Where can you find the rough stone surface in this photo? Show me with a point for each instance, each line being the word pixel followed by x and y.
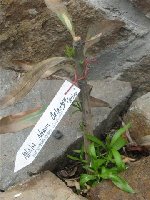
pixel 114 92
pixel 124 10
pixel 137 175
pixel 144 6
pixel 126 53
pixel 139 116
pixel 29 31
pixel 139 77
pixel 43 187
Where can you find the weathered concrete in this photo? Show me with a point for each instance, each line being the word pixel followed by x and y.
pixel 139 116
pixel 43 187
pixel 112 91
pixel 137 175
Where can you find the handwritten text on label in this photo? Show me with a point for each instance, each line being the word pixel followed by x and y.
pixel 46 125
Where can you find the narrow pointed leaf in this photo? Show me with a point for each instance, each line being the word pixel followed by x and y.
pixel 95 140
pixel 119 143
pixel 73 158
pixel 22 66
pixel 28 81
pixel 97 163
pixel 118 134
pixel 91 151
pixel 20 121
pixel 118 160
pixel 93 40
pixel 60 10
pixel 94 102
pixel 105 27
pixel 121 183
pixel 84 178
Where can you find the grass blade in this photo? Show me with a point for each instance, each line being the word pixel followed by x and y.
pixel 95 140
pixel 91 151
pixel 118 134
pixel 121 183
pixel 119 162
pixel 73 158
pixel 119 144
pixel 84 178
pixel 29 80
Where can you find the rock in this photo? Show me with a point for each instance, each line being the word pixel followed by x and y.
pixel 137 175
pixel 42 187
pixel 114 92
pixel 144 6
pixel 139 77
pixel 139 116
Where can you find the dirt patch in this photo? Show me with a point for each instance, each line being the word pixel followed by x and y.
pixel 29 31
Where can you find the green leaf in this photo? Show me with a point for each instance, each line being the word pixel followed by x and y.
pixel 118 134
pixel 95 140
pixel 109 157
pixel 97 163
pixel 73 158
pixel 105 173
pixel 69 51
pixel 120 164
pixel 84 178
pixel 119 143
pixel 77 151
pixel 108 141
pixel 91 151
pixel 121 183
pixel 87 168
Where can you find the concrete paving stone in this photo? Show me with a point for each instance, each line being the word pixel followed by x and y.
pixel 42 187
pixel 114 92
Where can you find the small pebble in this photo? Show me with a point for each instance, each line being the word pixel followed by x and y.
pixel 57 134
pixel 32 11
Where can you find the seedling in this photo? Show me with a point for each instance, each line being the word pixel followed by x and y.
pixel 97 156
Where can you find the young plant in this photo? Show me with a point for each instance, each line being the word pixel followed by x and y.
pixel 76 53
pixel 105 161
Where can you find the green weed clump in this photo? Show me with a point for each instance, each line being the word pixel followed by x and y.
pixel 105 160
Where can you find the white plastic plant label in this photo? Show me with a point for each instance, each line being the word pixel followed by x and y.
pixel 46 125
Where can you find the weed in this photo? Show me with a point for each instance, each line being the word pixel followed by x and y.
pixel 105 160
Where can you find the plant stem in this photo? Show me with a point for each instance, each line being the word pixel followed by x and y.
pixel 84 95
